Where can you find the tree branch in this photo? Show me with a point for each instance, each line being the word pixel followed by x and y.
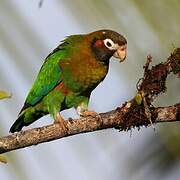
pixel 137 112
pixel 112 119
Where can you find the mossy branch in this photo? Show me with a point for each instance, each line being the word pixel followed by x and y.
pixel 137 112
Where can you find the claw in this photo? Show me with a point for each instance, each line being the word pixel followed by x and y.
pixel 92 114
pixel 84 112
pixel 88 113
pixel 59 119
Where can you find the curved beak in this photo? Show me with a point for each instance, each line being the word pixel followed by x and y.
pixel 121 52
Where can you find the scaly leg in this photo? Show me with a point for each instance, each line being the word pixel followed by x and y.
pixel 83 111
pixel 59 119
pixel 88 113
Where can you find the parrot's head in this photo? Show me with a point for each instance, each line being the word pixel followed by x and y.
pixel 108 43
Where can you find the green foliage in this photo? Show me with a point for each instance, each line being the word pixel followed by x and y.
pixel 138 98
pixel 3 159
pixel 4 94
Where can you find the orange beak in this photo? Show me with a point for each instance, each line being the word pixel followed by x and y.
pixel 121 52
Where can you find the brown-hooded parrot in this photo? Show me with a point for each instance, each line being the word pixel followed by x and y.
pixel 69 74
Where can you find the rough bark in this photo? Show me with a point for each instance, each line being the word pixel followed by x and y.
pixel 137 112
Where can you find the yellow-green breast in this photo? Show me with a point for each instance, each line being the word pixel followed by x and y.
pixel 83 71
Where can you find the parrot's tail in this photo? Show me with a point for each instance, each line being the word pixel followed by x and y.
pixel 18 125
pixel 25 118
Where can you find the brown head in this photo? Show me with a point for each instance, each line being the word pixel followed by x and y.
pixel 108 43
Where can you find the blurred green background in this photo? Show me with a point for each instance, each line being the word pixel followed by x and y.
pixel 29 33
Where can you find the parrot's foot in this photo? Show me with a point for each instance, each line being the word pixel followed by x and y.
pixel 59 119
pixel 83 111
pixel 88 113
pixel 92 114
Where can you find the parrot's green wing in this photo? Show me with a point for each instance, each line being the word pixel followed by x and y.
pixel 49 76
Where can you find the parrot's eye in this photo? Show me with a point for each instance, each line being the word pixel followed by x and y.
pixel 109 44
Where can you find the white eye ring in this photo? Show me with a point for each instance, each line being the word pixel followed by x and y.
pixel 109 44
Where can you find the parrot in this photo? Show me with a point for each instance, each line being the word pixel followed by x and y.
pixel 69 74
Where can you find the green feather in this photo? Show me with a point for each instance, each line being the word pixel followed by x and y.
pixel 50 73
pixel 71 64
pixel 42 98
pixel 48 77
